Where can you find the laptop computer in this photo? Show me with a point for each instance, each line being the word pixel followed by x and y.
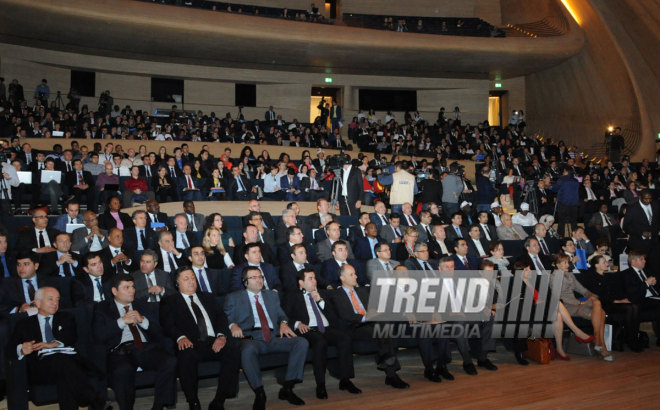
pixel 47 176
pixel 24 177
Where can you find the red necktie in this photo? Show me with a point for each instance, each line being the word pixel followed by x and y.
pixel 80 180
pixel 190 185
pixel 137 339
pixel 265 329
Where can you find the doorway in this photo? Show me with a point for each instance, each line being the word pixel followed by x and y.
pixel 329 94
pixel 495 105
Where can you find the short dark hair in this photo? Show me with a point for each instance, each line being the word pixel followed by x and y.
pixel 118 279
pixel 246 270
pixel 180 270
pixel 89 256
pixel 301 273
pixel 250 246
pixel 337 243
pixel 27 254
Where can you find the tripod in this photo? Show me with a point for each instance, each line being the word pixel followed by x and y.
pixel 58 101
pixel 334 193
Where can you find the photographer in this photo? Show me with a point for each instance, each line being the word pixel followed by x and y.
pixel 42 92
pixel 452 187
pixel 403 186
pixel 105 102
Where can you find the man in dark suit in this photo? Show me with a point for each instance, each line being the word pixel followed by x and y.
pixel 380 217
pixel 641 289
pixel 266 218
pixel 604 223
pixel 319 333
pixel 477 246
pixel 408 218
pixel 642 223
pixel 20 289
pixel 364 247
pixel 424 228
pixel 71 216
pixel 330 268
pixel 89 286
pixel 265 235
pixel 287 221
pixel 253 258
pixel 333 234
pixel 456 230
pixel 151 284
pixel 290 184
pixel 463 261
pixel 421 260
pixel 431 188
pixel 195 219
pixel 62 262
pixel 140 236
pixel 7 259
pixel 198 324
pixel 240 188
pixel 49 329
pixel 117 258
pixel 488 232
pixel 169 257
pixel 350 303
pixel 156 216
pixel 189 186
pixel 38 238
pixel 81 183
pixel 212 281
pixel 295 236
pixel 356 232
pixel 549 246
pixel 242 307
pixel 534 258
pixel 544 199
pixel 350 189
pixel 131 335
pixel 90 237
pixel 289 271
pixel 251 235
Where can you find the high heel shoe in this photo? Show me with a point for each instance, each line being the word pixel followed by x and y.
pixel 587 340
pixel 559 355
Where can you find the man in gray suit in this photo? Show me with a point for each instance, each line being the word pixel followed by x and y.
pixel 383 261
pixel 509 231
pixel 89 238
pixel 424 228
pixel 256 317
pixel 323 249
pixel 195 220
pixel 151 284
pixel 392 232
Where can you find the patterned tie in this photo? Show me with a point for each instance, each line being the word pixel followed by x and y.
pixel 546 251
pixel 137 339
pixel 465 262
pixel 171 261
pixel 356 304
pixel 265 329
pixel 31 290
pixel 152 297
pixel 100 288
pixel 458 231
pixel 427 266
pixel 48 330
pixel 118 267
pixel 317 314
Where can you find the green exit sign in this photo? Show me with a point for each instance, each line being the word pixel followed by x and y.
pixel 498 85
pixel 659 135
pixel 328 79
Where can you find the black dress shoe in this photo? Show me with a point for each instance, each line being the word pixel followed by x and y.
pixel 486 364
pixel 520 358
pixel 217 404
pixel 195 405
pixel 288 395
pixel 432 375
pixel 442 371
pixel 470 369
pixel 396 382
pixel 321 393
pixel 349 387
pixel 259 399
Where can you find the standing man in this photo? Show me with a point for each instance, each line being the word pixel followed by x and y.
pixel 306 308
pixel 130 333
pixel 568 200
pixel 642 223
pixel 350 188
pixel 199 326
pixel 335 116
pixel 452 187
pixel 258 311
pixel 403 186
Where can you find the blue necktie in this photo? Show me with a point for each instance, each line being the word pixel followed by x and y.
pixel 4 265
pixel 372 244
pixel 202 282
pixel 317 314
pixel 458 231
pixel 48 330
pixel 99 287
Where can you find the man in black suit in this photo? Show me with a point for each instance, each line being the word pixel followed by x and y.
pixel 20 289
pixel 431 188
pixel 198 324
pixel 358 231
pixel 117 258
pixel 170 257
pixel 421 260
pixel 408 218
pixel 350 189
pixel 40 237
pixel 544 198
pixel 151 284
pixel 455 228
pixel 140 236
pixel 266 218
pixel 265 235
pixel 642 290
pixel 62 262
pixel 251 235
pixel 154 215
pixel 253 258
pixel 319 333
pixel 7 259
pixel 350 303
pixel 549 246
pixel 288 220
pixel 331 268
pixel 240 188
pixel 189 186
pixel 295 236
pixel 81 183
pixel 477 246
pixel 319 219
pixel 148 170
pixel 50 329
pixel 208 280
pixel 89 286
pixel 488 232
pixel 364 247
pixel 131 335
pixel 642 223
pixel 289 271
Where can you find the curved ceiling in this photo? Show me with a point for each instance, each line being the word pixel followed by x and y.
pixel 146 31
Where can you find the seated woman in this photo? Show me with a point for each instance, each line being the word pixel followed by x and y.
pixel 496 250
pixel 164 186
pixel 563 317
pixel 217 256
pixel 217 221
pixel 588 307
pixel 217 190
pixel 611 293
pixel 112 217
pixel 406 248
pixel 602 248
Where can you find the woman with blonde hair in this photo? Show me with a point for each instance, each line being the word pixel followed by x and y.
pixel 217 256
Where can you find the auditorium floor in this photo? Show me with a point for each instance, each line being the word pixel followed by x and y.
pixel 584 382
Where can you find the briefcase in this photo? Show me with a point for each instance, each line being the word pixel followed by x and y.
pixel 539 350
